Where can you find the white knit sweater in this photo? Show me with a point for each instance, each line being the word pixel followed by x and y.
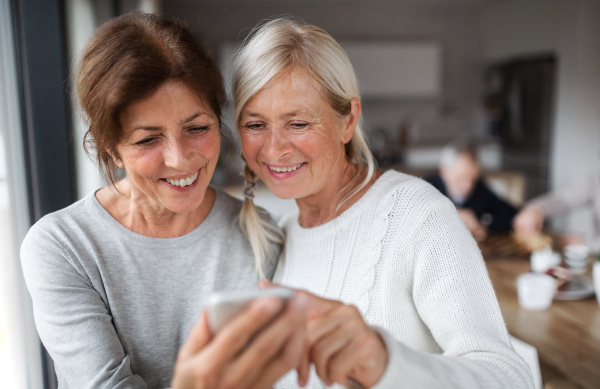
pixel 402 255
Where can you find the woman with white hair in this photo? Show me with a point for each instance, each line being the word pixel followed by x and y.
pixel 404 299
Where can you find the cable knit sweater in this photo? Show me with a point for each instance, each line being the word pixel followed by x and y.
pixel 402 255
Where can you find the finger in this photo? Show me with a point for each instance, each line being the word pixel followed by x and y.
pixel 267 344
pixel 318 306
pixel 232 338
pixel 199 336
pixel 304 365
pixel 282 363
pixel 364 360
pixel 322 326
pixel 325 349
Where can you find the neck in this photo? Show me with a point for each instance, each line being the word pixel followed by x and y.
pixel 324 206
pixel 145 217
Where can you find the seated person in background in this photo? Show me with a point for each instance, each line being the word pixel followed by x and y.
pixel 458 179
pixel 531 219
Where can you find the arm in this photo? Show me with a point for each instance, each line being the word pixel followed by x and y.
pixel 455 299
pixel 531 218
pixel 72 319
pixel 564 200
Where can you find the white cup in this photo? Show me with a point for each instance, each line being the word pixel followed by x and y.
pixel 535 291
pixel 576 252
pixel 543 260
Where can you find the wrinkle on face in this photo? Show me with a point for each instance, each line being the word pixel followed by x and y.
pixel 293 96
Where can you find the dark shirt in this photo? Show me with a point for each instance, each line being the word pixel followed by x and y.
pixel 482 201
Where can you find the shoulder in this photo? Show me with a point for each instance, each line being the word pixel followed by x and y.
pixel 406 191
pixel 75 218
pixel 231 208
pixel 406 201
pixel 227 205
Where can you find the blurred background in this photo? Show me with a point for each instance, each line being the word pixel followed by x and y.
pixel 521 78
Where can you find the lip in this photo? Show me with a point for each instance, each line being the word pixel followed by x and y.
pixel 179 188
pixel 283 175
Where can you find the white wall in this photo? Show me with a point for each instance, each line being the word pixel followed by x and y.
pixel 519 27
pixel 576 148
pixel 456 31
pixel 571 29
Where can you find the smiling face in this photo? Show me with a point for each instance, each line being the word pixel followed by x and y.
pixel 292 138
pixel 170 149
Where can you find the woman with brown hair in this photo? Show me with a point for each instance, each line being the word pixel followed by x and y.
pixel 118 278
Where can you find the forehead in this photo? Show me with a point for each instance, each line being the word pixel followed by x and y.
pixel 465 164
pixel 173 99
pixel 292 89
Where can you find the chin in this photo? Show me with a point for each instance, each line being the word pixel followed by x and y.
pixel 285 193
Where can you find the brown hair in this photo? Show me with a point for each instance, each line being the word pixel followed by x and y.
pixel 127 59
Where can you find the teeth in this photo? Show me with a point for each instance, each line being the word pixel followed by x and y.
pixel 184 181
pixel 285 168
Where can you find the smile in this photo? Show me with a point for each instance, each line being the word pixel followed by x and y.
pixel 183 182
pixel 285 168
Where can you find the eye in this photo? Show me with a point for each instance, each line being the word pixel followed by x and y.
pixel 298 125
pixel 147 141
pixel 254 126
pixel 198 129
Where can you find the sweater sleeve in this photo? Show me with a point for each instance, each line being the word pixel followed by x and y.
pixel 454 298
pixel 563 200
pixel 72 319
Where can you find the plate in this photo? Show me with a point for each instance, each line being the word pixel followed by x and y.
pixel 576 289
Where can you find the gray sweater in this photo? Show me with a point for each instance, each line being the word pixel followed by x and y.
pixel 113 307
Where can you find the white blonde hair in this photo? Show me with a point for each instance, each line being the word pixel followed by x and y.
pixel 287 43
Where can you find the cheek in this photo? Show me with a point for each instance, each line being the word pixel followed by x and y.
pixel 322 150
pixel 208 146
pixel 142 162
pixel 251 145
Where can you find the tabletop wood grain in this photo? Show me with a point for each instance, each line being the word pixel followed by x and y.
pixel 567 336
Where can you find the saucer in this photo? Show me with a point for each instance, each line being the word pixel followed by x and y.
pixel 576 289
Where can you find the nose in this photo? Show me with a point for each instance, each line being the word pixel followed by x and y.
pixel 277 144
pixel 177 153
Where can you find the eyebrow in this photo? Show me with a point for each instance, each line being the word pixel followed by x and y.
pixel 289 114
pixel 181 123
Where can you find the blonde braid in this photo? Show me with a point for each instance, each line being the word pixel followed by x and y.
pixel 263 236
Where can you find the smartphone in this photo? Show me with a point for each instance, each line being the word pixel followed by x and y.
pixel 222 306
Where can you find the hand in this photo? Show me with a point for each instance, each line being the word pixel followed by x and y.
pixel 529 221
pixel 341 344
pixel 476 229
pixel 571 239
pixel 252 351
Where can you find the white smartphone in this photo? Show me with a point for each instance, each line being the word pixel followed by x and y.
pixel 222 306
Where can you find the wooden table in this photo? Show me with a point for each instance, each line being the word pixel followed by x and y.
pixel 567 336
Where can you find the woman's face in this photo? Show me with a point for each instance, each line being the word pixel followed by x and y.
pixel 292 138
pixel 170 148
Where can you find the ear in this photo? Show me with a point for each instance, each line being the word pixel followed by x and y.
pixel 351 120
pixel 115 159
